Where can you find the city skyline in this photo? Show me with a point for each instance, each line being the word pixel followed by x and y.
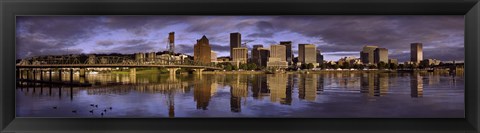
pixel 335 36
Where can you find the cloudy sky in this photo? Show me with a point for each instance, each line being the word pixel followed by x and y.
pixel 335 36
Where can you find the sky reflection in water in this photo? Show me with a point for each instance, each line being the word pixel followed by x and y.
pixel 326 95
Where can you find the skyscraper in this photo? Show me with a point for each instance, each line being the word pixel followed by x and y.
pixel 240 55
pixel 202 51
pixel 319 57
pixel 288 48
pixel 416 52
pixel 277 57
pixel 277 53
pixel 264 55
pixel 307 53
pixel 381 55
pixel 256 54
pixel 213 56
pixel 366 55
pixel 235 42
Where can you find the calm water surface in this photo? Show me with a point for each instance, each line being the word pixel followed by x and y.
pixel 325 95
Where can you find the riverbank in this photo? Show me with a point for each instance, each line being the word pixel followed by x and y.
pixel 157 71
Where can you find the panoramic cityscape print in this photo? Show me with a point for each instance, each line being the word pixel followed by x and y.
pixel 315 66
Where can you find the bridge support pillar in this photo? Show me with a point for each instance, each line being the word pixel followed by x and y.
pixel 60 75
pixel 172 74
pixel 198 71
pixel 71 75
pixel 50 75
pixel 41 75
pixel 172 71
pixel 82 72
pixel 34 75
pixel 133 71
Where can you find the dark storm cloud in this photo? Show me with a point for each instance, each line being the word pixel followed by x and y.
pixel 264 29
pixel 352 32
pixel 133 41
pixel 141 25
pixel 105 42
pixel 38 47
pixel 184 48
pixel 58 27
pixel 45 35
pixel 130 49
pixel 220 48
pixel 41 35
pixel 261 35
pixel 445 54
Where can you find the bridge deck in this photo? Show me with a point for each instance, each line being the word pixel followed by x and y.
pixel 113 65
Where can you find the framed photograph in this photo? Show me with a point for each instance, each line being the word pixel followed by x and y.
pixel 288 66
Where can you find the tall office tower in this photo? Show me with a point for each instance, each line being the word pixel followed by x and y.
pixel 213 56
pixel 319 57
pixel 289 53
pixel 307 53
pixel 202 51
pixel 235 42
pixel 264 54
pixel 256 54
pixel 416 52
pixel 240 55
pixel 277 53
pixel 367 54
pixel 381 55
pixel 277 57
pixel 171 42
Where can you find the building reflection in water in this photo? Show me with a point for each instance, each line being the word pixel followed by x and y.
pixel 416 85
pixel 277 83
pixel 238 90
pixel 320 84
pixel 381 84
pixel 202 92
pixel 374 84
pixel 260 87
pixel 307 87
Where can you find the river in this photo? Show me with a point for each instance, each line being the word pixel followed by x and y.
pixel 321 95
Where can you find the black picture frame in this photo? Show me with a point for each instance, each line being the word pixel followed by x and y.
pixel 11 8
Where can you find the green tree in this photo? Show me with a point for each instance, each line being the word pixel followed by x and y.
pixel 228 67
pixel 345 65
pixel 303 66
pixel 423 65
pixel 401 66
pixel 372 66
pixel 234 67
pixel 252 66
pixel 358 66
pixel 244 66
pixel 323 66
pixel 382 65
pixel 335 66
pixel 310 66
pixel 393 66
